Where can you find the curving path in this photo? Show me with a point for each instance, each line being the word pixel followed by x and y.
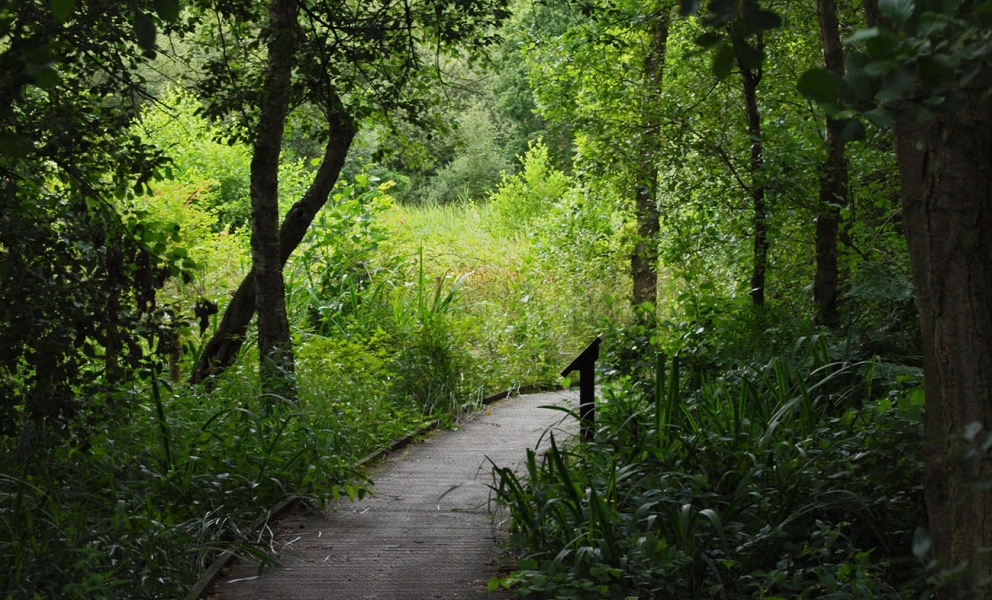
pixel 426 532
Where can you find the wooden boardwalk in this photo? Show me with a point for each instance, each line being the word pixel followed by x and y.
pixel 426 533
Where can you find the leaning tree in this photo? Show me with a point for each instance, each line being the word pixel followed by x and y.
pixel 354 62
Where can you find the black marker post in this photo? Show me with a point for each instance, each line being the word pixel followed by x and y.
pixel 585 364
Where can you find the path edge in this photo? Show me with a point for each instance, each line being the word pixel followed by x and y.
pixel 213 572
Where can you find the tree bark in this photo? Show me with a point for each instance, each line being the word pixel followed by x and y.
pixel 945 177
pixel 222 349
pixel 945 168
pixel 833 183
pixel 644 260
pixel 751 78
pixel 275 347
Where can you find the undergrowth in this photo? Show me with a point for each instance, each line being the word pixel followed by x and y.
pixel 137 504
pixel 798 477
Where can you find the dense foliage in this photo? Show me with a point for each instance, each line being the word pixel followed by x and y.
pixel 772 479
pixel 472 191
pixel 398 324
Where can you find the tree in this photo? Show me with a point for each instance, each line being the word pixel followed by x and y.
pixel 274 344
pixel 515 100
pixel 644 259
pixel 605 79
pixel 833 181
pixel 357 62
pixel 736 32
pixel 751 74
pixel 924 71
pixel 223 347
pixel 77 282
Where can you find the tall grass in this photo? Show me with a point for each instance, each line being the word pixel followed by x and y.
pixel 137 508
pixel 796 478
pixel 516 312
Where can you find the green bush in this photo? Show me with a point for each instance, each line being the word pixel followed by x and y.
pixel 524 196
pixel 219 171
pixel 478 162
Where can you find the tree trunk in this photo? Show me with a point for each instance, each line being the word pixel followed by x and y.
pixel 274 343
pixel 644 260
pixel 833 183
pixel 945 177
pixel 947 214
pixel 222 349
pixel 751 79
pixel 873 16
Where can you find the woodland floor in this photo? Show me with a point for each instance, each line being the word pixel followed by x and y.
pixel 425 532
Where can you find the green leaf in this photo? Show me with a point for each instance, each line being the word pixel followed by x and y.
pixel 848 130
pixel 750 57
pixel 862 35
pixel 818 85
pixel 881 118
pixel 880 68
pixel 969 73
pixel 861 88
pixel 943 7
pixel 898 10
pixel 722 12
pixel 62 9
pixel 931 23
pixel 168 10
pixel 762 20
pixel 708 39
pixel 919 111
pixel 723 61
pixel 935 72
pixel 144 30
pixel 897 85
pixel 43 76
pixel 846 94
pixel 883 45
pixel 15 146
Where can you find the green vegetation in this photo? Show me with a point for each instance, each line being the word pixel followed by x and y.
pixel 244 245
pixel 402 317
pixel 773 479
